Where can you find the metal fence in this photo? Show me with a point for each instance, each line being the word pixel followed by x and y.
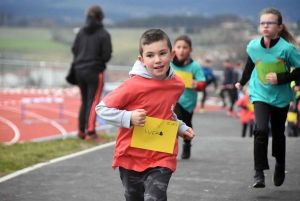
pixel 41 74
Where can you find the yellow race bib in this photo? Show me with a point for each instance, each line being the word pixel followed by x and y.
pixel 186 77
pixel 250 107
pixel 156 135
pixel 292 117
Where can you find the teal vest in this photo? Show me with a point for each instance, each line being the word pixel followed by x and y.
pixel 275 59
pixel 188 99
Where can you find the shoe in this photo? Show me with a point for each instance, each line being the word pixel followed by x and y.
pixel 231 114
pixel 279 175
pixel 224 105
pixel 81 135
pixel 95 137
pixel 202 110
pixel 259 181
pixel 186 152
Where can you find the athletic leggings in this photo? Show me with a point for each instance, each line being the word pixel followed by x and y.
pixel 91 85
pixel 184 116
pixel 277 116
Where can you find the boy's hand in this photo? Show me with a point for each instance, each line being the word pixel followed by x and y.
pixel 138 117
pixel 189 134
pixel 296 88
pixel 194 84
pixel 238 86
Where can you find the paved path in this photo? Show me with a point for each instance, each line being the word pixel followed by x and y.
pixel 221 168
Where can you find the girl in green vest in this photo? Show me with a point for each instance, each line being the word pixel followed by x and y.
pixel 268 69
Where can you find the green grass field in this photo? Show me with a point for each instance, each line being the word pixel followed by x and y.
pixel 32 44
pixel 55 44
pixel 21 155
pixel 39 44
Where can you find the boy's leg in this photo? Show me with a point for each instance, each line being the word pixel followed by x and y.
pixel 203 97
pixel 244 129
pixel 298 117
pixel 133 184
pixel 186 117
pixel 233 98
pixel 251 125
pixel 156 181
pixel 222 96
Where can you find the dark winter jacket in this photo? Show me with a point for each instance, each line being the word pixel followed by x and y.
pixel 92 48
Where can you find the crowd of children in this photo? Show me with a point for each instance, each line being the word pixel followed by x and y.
pixel 163 88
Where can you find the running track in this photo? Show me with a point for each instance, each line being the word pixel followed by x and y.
pixel 41 118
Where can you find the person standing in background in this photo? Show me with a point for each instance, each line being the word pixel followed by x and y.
pixel 92 49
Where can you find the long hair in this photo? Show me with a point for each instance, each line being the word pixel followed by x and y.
pixel 284 33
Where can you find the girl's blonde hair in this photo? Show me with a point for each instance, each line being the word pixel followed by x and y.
pixel 284 33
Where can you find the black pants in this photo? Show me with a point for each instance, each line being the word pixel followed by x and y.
pixel 184 116
pixel 149 185
pixel 212 80
pixel 277 116
pixel 244 129
pixel 91 85
pixel 233 96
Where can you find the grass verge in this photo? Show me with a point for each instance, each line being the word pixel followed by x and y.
pixel 21 155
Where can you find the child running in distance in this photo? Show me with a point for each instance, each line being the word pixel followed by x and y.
pixel 152 90
pixel 246 113
pixel 194 78
pixel 210 78
pixel 268 69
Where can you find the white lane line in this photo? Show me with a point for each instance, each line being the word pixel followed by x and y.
pixel 15 129
pixel 42 118
pixel 52 109
pixel 39 165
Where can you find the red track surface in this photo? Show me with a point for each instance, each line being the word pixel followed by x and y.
pixel 42 117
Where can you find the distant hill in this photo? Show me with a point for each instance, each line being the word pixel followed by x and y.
pixel 65 11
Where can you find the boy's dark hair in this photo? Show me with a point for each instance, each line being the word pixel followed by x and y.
pixel 239 63
pixel 153 35
pixel 95 11
pixel 207 60
pixel 184 38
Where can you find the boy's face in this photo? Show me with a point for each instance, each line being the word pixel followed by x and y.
pixel 182 50
pixel 157 57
